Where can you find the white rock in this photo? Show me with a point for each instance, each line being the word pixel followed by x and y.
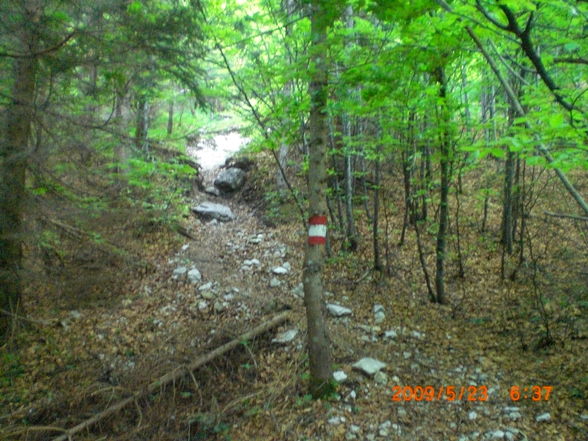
pixel 179 272
pixel 205 287
pixel 76 315
pixel 339 376
pixel 212 191
pixel 209 295
pixel 274 283
pixel 390 334
pixel 406 355
pixel 210 210
pixel 402 412
pixel 298 291
pixel 417 334
pixel 355 429
pixel 378 308
pixel 514 416
pixel 279 270
pixel 496 434
pixel 543 417
pixel 379 317
pixel 336 420
pixel 185 247
pixel 381 378
pixel 352 395
pixel 338 310
pixel 219 306
pixel 369 365
pixel 194 276
pixel 383 429
pixel 286 336
pixel 287 266
pixel 472 415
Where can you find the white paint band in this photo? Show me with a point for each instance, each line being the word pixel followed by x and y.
pixel 317 231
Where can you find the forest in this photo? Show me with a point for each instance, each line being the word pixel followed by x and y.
pixel 301 220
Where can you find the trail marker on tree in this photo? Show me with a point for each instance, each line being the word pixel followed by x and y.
pixel 317 230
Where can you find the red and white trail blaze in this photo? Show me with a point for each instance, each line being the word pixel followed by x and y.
pixel 317 230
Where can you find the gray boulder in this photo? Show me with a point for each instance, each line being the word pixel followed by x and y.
pixel 244 163
pixel 369 365
pixel 338 310
pixel 210 210
pixel 230 179
pixel 213 191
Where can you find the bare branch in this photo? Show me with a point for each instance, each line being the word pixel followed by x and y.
pixel 490 18
pixel 39 53
pixel 571 60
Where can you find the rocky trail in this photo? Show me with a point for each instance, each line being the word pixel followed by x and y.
pixel 239 271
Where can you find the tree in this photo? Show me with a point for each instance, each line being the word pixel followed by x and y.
pixel 13 158
pixel 318 343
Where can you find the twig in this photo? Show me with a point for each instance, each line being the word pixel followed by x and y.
pixel 25 319
pixel 103 245
pixel 567 216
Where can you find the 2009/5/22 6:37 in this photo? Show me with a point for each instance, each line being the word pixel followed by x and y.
pixel 447 393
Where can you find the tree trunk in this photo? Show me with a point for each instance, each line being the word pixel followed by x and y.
pixel 318 342
pixel 13 164
pixel 351 231
pixel 141 126
pixel 444 190
pixel 377 255
pixel 170 118
pixel 507 206
pixel 120 149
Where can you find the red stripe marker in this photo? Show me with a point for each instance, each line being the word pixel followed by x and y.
pixel 317 230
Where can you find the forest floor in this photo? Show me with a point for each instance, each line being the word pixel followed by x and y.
pixel 73 363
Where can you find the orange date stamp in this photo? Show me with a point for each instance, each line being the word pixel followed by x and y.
pixel 467 393
pixel 441 393
pixel 534 393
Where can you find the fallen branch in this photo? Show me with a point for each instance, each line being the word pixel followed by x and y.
pixel 24 319
pixel 567 216
pixel 175 375
pixel 103 245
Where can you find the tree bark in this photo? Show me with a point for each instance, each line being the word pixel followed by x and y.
pixel 444 190
pixel 170 118
pixel 375 220
pixel 13 164
pixel 507 204
pixel 141 123
pixel 318 342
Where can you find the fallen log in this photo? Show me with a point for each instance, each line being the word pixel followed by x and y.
pixel 567 216
pixel 104 246
pixel 175 375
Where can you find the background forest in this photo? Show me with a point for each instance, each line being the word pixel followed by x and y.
pixel 446 142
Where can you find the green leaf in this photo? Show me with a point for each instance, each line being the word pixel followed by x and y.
pixel 135 7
